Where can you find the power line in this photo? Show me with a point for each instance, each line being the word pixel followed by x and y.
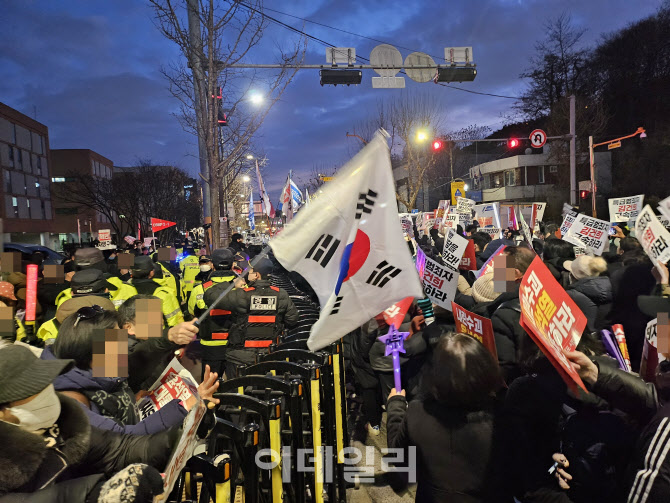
pixel 327 44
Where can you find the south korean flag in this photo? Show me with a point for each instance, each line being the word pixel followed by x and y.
pixel 349 246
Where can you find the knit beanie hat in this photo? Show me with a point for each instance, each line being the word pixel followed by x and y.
pixel 482 289
pixel 586 266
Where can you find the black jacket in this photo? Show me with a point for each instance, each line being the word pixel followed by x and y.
pixel 560 273
pixel 147 358
pixel 593 296
pixel 31 471
pixel 452 447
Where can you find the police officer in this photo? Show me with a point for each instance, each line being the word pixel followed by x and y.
pixel 142 279
pixel 215 328
pixel 189 270
pixel 206 270
pixel 259 314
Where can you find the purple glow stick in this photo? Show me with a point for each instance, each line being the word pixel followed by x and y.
pixel 394 346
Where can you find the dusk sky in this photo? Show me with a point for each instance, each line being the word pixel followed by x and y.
pixel 90 70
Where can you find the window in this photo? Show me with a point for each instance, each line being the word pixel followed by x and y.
pixel 11 157
pixel 60 179
pixel 553 169
pixel 19 157
pixel 15 204
pixel 540 174
pixel 510 178
pixel 66 211
pixel 39 166
pixel 8 182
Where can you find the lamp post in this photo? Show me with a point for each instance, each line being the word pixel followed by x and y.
pixel 640 131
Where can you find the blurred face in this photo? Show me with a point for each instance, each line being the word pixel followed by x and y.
pixel 148 319
pixel 504 274
pixel 110 353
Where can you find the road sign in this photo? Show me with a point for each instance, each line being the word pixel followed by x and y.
pixel 420 74
pixel 454 55
pixel 457 190
pixel 341 55
pixel 538 138
pixel 616 144
pixel 390 60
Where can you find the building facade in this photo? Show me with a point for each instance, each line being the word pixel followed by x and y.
pixel 73 220
pixel 26 200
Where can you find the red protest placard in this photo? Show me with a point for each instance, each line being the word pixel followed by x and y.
pixel 477 326
pixel 395 314
pixel 551 318
pixel 31 292
pixel 469 261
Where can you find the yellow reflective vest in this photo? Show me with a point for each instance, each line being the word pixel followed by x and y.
pixel 190 267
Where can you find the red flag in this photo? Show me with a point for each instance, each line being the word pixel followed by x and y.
pixel 477 326
pixel 551 318
pixel 158 225
pixel 395 314
pixel 469 261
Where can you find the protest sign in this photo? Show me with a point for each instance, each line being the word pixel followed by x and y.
pixel 653 237
pixel 129 239
pixel 395 314
pixel 581 250
pixel 551 318
pixel 664 208
pixel 568 219
pixel 650 355
pixel 464 208
pixel 494 232
pixel 451 221
pixel 174 383
pixel 525 230
pixel 184 449
pixel 407 226
pixel 665 221
pixel 439 282
pixel 588 232
pixel 487 214
pixel 511 218
pixel 625 209
pixel 469 260
pixel 158 224
pixel 537 214
pixel 454 248
pixel 488 265
pixel 428 220
pixel 477 326
pixel 442 209
pixel 104 235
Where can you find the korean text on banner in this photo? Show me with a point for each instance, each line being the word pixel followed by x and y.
pixel 537 214
pixel 589 232
pixel 469 260
pixel 551 318
pixel 568 220
pixel 476 326
pixel 650 355
pixel 174 383
pixel 439 282
pixel 494 232
pixel 625 209
pixel 442 209
pixel 454 248
pixel 395 314
pixel 104 235
pixel 464 208
pixel 451 221
pixel 407 225
pixel 485 214
pixel 527 234
pixel 184 449
pixel 653 237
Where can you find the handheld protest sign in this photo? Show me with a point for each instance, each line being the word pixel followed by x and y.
pixel 469 259
pixel 394 346
pixel 439 282
pixel 653 236
pixel 488 265
pixel 31 292
pixel 454 248
pixel 588 232
pixel 475 326
pixel 551 319
pixel 395 314
pixel 625 209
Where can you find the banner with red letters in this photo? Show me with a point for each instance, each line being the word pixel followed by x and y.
pixel 469 261
pixel 158 225
pixel 551 318
pixel 439 282
pixel 653 236
pixel 477 326
pixel 589 232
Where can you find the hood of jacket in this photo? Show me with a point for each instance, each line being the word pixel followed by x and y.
pixel 23 452
pixel 77 379
pixel 598 289
pixel 145 286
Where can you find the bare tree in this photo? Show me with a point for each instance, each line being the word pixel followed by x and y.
pixel 404 118
pixel 229 31
pixel 558 70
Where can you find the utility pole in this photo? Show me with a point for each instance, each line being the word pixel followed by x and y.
pixel 573 153
pixel 200 102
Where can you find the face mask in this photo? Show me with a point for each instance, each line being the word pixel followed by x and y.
pixel 205 268
pixel 40 413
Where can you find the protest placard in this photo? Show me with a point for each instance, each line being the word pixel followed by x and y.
pixel 525 230
pixel 439 282
pixel 568 219
pixel 511 218
pixel 494 232
pixel 653 237
pixel 428 220
pixel 477 326
pixel 469 260
pixel 664 208
pixel 184 449
pixel 129 239
pixel 625 209
pixel 174 383
pixel 442 209
pixel 581 250
pixel 450 221
pixel 487 214
pixel 464 208
pixel 650 355
pixel 407 226
pixel 454 248
pixel 588 232
pixel 551 318
pixel 537 214
pixel 104 235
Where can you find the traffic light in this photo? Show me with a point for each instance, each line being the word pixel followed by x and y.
pixel 437 145
pixel 513 143
pixel 455 74
pixel 221 116
pixel 344 77
pixel 584 194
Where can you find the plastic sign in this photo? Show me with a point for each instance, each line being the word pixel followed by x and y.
pixel 589 232
pixel 439 282
pixel 538 138
pixel 653 236
pixel 31 292
pixel 625 209
pixel 104 235
pixel 158 225
pixel 476 326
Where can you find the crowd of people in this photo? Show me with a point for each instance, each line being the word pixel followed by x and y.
pixel 484 428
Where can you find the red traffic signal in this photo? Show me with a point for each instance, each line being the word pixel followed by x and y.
pixel 437 145
pixel 583 194
pixel 513 143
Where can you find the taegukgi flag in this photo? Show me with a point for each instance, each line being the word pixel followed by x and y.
pixel 349 246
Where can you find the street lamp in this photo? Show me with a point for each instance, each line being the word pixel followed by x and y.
pixel 256 98
pixel 421 135
pixel 246 178
pixel 640 131
pixel 250 157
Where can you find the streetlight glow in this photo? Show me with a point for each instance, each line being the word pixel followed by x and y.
pixel 256 98
pixel 246 178
pixel 250 156
pixel 466 186
pixel 421 136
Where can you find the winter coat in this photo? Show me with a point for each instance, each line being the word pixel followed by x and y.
pixel 172 414
pixel 72 471
pixel 147 358
pixel 594 297
pixel 560 273
pixel 452 447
